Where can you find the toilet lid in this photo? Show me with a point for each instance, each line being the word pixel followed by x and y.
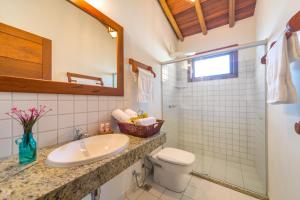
pixel 176 156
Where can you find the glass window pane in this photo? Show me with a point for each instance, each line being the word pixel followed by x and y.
pixel 212 66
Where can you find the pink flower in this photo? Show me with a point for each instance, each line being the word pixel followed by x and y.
pixel 27 120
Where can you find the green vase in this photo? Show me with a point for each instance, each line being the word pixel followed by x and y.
pixel 27 148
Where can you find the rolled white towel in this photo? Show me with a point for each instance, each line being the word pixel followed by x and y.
pixel 146 121
pixel 131 113
pixel 120 116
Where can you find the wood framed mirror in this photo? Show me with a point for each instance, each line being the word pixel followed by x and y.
pixel 26 58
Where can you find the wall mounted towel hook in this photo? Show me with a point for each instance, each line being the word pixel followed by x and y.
pixel 297 127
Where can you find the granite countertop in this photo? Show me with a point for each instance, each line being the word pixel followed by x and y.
pixel 39 181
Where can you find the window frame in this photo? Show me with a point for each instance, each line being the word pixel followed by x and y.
pixel 233 68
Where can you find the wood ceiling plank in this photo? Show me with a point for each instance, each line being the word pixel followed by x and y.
pixel 200 16
pixel 171 19
pixel 238 6
pixel 178 6
pixel 215 13
pixel 231 13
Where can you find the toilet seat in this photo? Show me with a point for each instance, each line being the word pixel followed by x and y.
pixel 176 156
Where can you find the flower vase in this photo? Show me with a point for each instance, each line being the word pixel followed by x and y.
pixel 27 148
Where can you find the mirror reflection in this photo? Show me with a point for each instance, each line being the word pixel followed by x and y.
pixel 84 50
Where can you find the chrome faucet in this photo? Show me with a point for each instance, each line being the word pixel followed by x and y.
pixel 79 134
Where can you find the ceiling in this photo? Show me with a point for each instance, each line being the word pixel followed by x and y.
pixel 189 17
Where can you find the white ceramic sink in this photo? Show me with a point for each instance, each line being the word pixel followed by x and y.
pixel 87 150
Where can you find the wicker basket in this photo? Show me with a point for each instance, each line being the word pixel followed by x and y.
pixel 140 131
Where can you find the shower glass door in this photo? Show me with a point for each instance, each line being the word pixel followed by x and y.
pixel 221 120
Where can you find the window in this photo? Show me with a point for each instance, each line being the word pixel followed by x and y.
pixel 215 67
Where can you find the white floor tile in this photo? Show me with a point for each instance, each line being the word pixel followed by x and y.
pixel 170 195
pixel 198 189
pixel 147 196
pixel 186 198
pixel 156 189
pixel 134 194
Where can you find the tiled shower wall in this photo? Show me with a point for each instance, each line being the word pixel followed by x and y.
pixel 259 125
pixel 216 117
pixel 170 107
pixel 68 112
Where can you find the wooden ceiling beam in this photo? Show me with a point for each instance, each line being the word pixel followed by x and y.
pixel 171 19
pixel 231 13
pixel 200 16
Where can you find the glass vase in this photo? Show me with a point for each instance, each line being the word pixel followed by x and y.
pixel 27 148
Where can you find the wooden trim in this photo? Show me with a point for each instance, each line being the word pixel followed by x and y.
pixel 70 80
pixel 17 84
pixel 21 44
pixel 136 65
pixel 47 59
pixel 86 7
pixel 231 13
pixel 171 19
pixel 200 16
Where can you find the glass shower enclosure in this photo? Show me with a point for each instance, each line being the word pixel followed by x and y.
pixel 221 121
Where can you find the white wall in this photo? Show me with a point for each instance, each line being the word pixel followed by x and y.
pixel 242 32
pixel 148 38
pixel 80 44
pixel 283 142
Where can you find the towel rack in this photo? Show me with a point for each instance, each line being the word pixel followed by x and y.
pixel 75 75
pixel 292 26
pixel 135 65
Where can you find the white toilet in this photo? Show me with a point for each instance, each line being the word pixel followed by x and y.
pixel 172 168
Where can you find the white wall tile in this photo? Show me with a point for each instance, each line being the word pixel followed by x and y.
pixel 50 105
pixel 65 135
pixel 6 128
pixel 80 106
pixel 5 107
pixel 24 96
pixel 65 107
pixel 80 119
pixel 25 105
pixel 47 97
pixel 103 105
pixel 80 97
pixel 93 98
pixel 47 123
pixel 65 97
pixel 47 138
pixel 57 126
pixel 5 95
pixel 65 121
pixel 6 147
pixel 93 117
pixel 93 106
pixel 93 129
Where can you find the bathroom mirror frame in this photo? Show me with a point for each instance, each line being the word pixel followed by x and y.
pixel 19 84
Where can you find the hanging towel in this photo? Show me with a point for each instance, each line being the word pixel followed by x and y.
pixel 145 86
pixel 294 47
pixel 280 87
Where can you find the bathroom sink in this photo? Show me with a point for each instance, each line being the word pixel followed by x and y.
pixel 87 150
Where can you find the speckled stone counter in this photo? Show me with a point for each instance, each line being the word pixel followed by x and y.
pixel 39 181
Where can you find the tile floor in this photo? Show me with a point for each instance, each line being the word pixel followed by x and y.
pixel 197 189
pixel 232 172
